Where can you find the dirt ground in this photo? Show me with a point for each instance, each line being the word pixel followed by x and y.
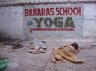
pixel 21 60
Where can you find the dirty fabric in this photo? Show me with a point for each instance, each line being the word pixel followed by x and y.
pixel 66 53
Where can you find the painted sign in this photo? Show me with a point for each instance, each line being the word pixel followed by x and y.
pixel 67 18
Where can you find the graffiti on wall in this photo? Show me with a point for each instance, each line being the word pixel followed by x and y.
pixel 54 17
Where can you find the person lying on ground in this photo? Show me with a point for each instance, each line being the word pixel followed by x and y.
pixel 67 52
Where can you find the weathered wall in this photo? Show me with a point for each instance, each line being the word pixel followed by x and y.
pixel 11 21
pixel 59 20
pixel 89 20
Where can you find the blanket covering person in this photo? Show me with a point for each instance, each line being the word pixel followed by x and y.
pixel 67 52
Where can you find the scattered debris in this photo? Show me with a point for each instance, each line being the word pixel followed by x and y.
pixel 36 49
pixel 17 46
pixel 43 42
pixel 31 42
pixel 12 41
pixel 42 49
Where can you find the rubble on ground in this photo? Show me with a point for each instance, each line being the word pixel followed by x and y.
pixel 17 46
pixel 37 50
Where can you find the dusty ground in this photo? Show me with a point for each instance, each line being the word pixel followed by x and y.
pixel 21 60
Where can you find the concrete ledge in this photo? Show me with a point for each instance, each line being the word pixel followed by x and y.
pixel 66 39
